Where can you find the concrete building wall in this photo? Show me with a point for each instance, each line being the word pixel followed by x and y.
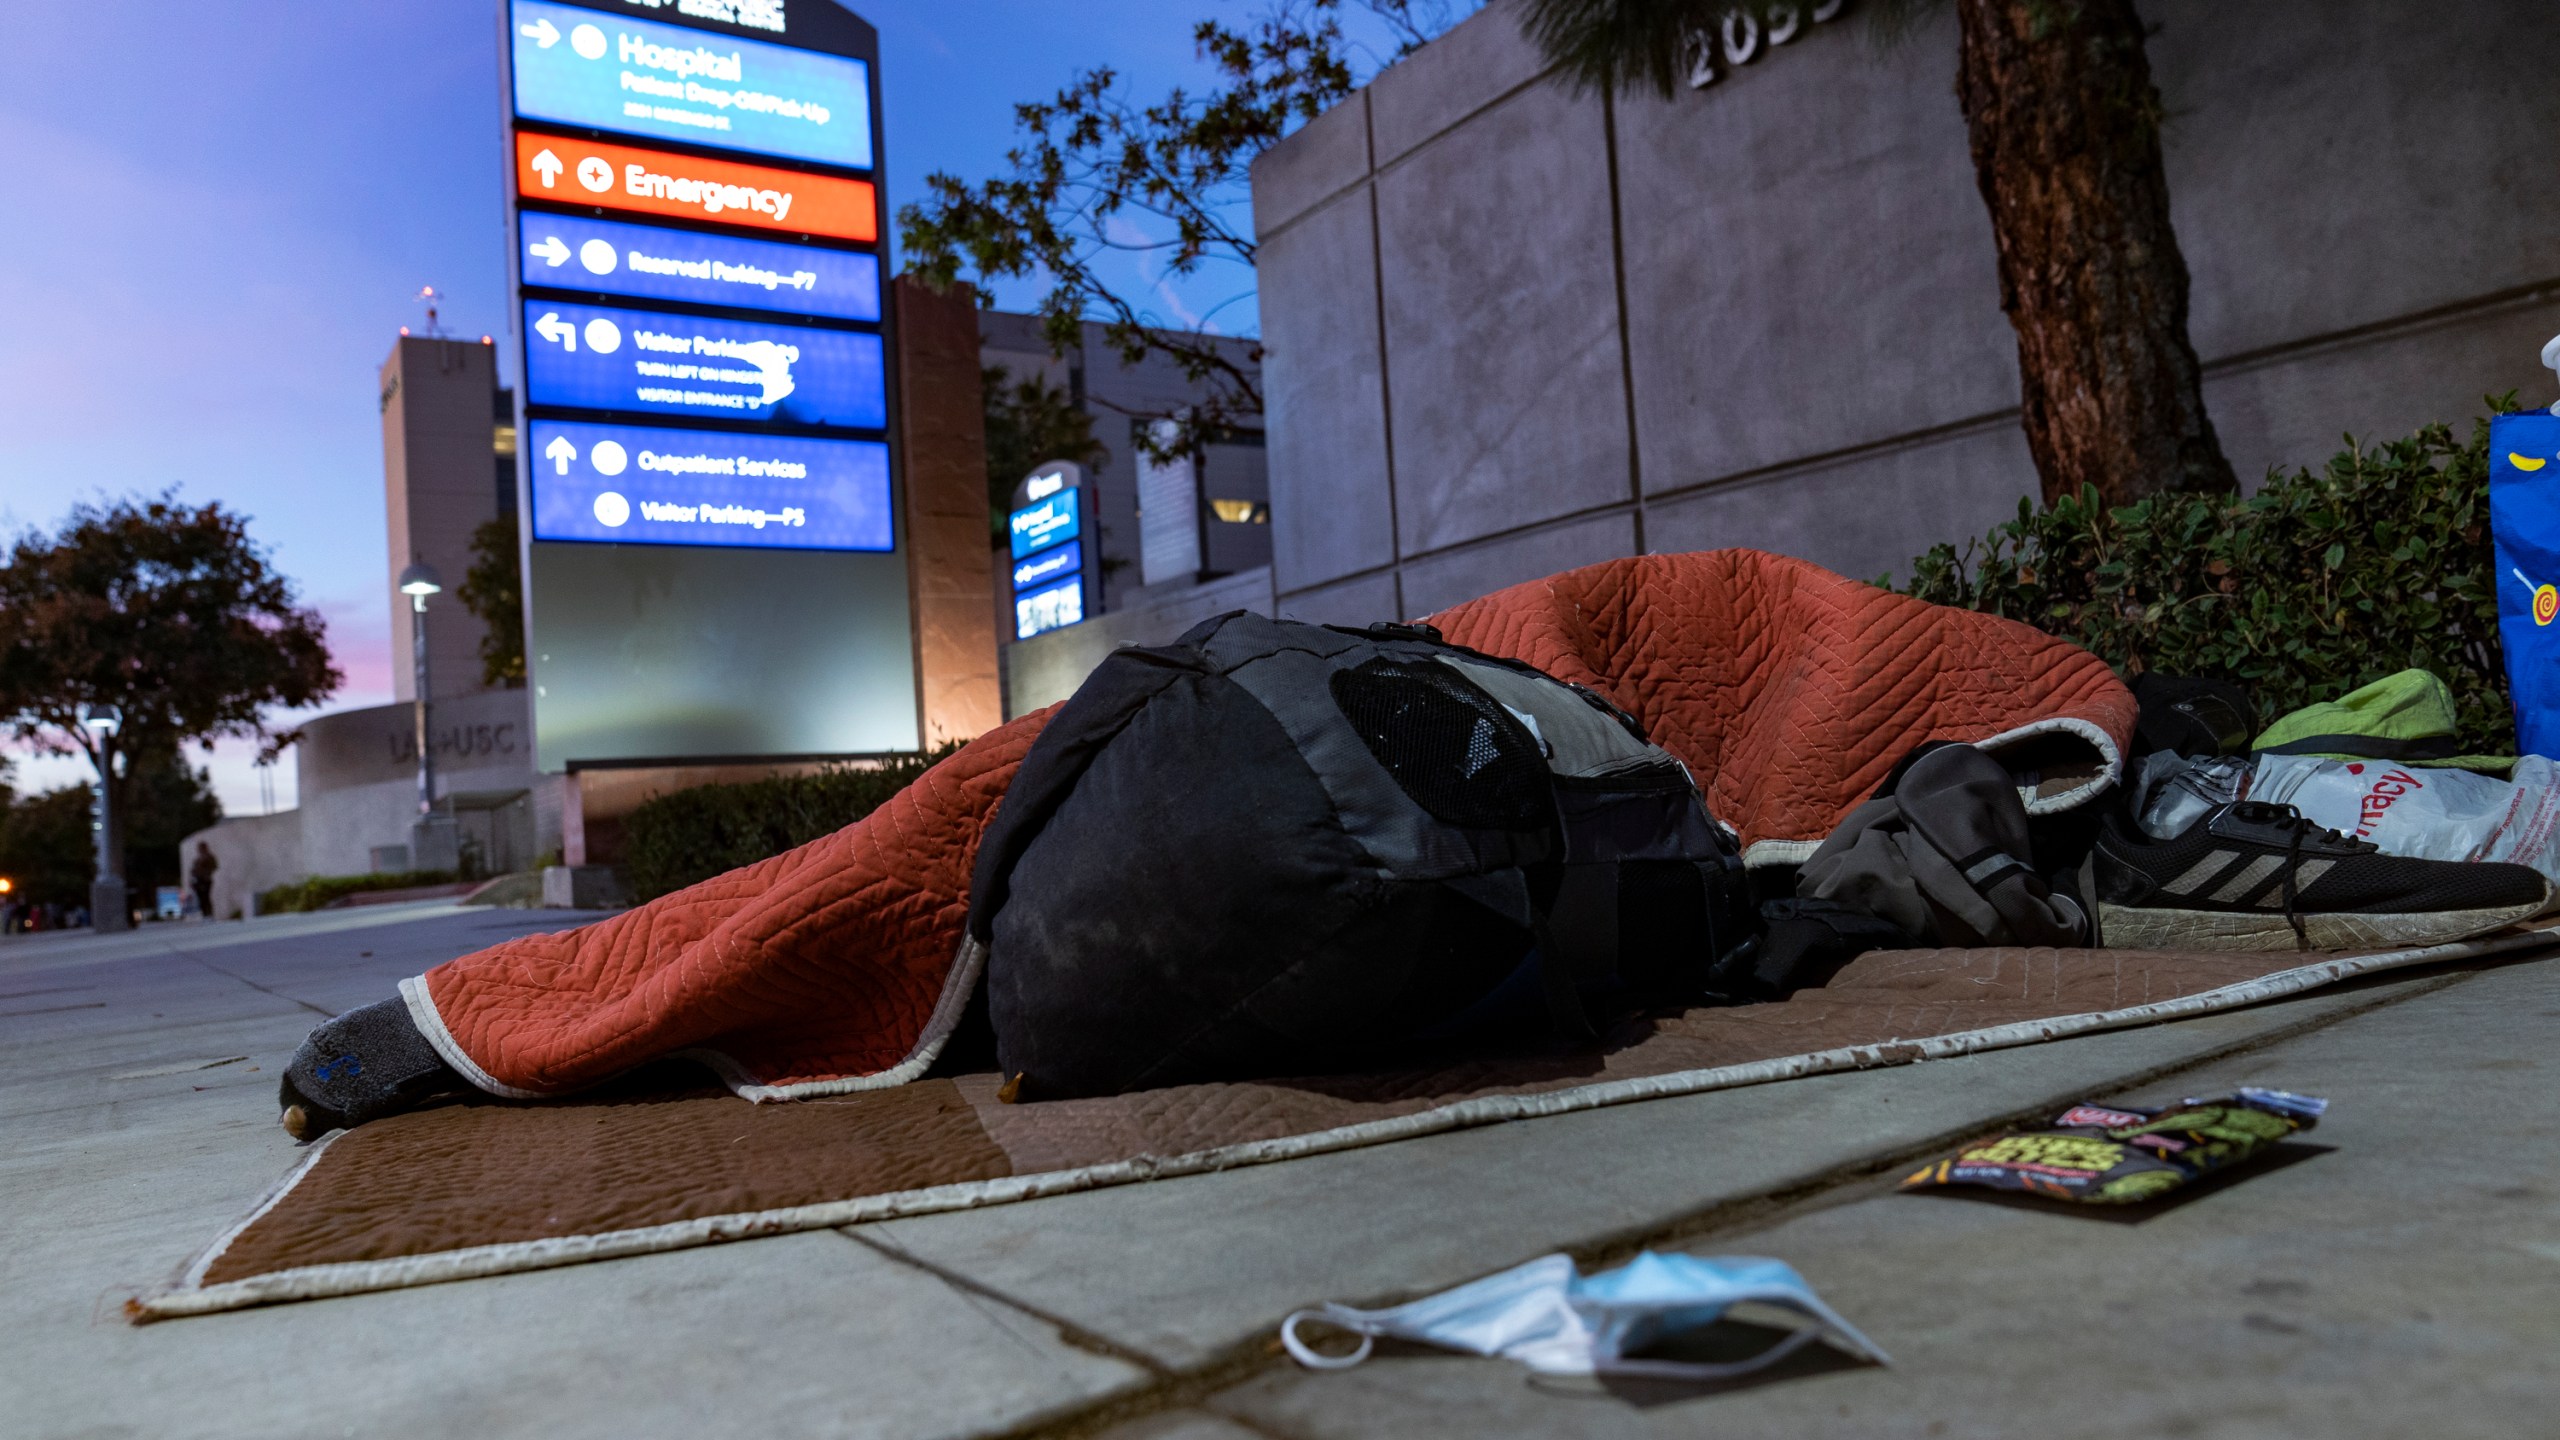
pixel 1509 329
pixel 250 853
pixel 942 434
pixel 441 438
pixel 356 772
pixel 1115 394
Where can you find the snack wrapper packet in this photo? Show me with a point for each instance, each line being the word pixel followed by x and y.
pixel 2116 1155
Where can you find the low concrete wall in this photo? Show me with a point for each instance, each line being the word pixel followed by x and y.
pixel 358 774
pixel 250 853
pixel 1046 669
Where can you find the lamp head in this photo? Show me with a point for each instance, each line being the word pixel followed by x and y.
pixel 420 579
pixel 106 720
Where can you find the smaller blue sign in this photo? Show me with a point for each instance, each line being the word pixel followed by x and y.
pixel 603 358
pixel 580 67
pixel 1037 527
pixel 640 485
pixel 1048 565
pixel 1055 608
pixel 650 262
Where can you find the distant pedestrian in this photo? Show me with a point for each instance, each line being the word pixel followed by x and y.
pixel 200 876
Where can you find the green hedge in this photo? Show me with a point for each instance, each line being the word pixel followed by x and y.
pixel 2319 583
pixel 691 835
pixel 319 890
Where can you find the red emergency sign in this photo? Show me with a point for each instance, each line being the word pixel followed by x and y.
pixel 656 182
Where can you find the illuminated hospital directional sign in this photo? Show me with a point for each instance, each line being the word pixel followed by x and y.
pixel 715 561
pixel 640 485
pixel 651 262
pixel 594 357
pixel 581 67
pixel 1045 529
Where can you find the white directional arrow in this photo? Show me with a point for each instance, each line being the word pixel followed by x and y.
pixel 552 327
pixel 560 452
pixel 548 166
pixel 551 250
pixel 541 33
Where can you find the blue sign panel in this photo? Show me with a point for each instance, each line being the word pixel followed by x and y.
pixel 612 359
pixel 1055 608
pixel 648 262
pixel 1048 566
pixel 1037 527
pixel 583 67
pixel 637 485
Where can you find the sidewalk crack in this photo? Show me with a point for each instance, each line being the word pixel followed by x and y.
pixel 1166 1388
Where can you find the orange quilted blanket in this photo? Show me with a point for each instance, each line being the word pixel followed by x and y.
pixel 1790 691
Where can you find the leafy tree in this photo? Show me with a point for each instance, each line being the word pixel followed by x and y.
pixel 1099 174
pixel 169 613
pixel 2064 126
pixel 494 592
pixel 1030 422
pixel 45 847
pixel 166 801
pixel 45 840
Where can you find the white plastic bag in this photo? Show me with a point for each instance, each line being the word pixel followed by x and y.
pixel 2172 792
pixel 2425 812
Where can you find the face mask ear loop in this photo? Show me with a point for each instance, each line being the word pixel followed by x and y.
pixel 1305 1355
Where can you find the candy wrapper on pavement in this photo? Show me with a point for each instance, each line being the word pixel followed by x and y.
pixel 2116 1155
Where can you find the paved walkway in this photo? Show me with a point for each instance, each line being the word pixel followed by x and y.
pixel 2400 1274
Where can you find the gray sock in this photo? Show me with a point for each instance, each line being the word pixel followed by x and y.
pixel 363 1065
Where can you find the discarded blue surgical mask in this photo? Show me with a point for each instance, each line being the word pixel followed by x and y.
pixel 1552 1320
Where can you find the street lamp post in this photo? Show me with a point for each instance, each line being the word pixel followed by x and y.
pixel 108 905
pixel 418 582
pixel 432 843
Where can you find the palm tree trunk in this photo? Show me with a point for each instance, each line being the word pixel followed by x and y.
pixel 2065 130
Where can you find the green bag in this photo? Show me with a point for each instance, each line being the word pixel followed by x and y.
pixel 2406 717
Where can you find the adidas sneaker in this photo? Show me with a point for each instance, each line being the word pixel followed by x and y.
pixel 2253 876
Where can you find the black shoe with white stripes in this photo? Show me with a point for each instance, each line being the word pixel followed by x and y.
pixel 2254 876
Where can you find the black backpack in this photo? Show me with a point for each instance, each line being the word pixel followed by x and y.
pixel 2191 715
pixel 1275 848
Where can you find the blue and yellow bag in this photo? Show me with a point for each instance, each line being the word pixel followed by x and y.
pixel 2524 516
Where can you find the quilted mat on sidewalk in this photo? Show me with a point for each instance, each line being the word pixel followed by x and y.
pixel 491 1187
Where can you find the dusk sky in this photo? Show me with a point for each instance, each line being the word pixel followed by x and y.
pixel 219 216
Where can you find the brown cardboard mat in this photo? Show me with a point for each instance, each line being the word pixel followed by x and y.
pixel 488 1188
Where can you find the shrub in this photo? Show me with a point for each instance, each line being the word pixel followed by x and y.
pixel 2319 583
pixel 691 835
pixel 317 891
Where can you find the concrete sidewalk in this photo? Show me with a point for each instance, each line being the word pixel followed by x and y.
pixel 2403 1276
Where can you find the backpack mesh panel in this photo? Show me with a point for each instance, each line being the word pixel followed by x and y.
pixel 1452 747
